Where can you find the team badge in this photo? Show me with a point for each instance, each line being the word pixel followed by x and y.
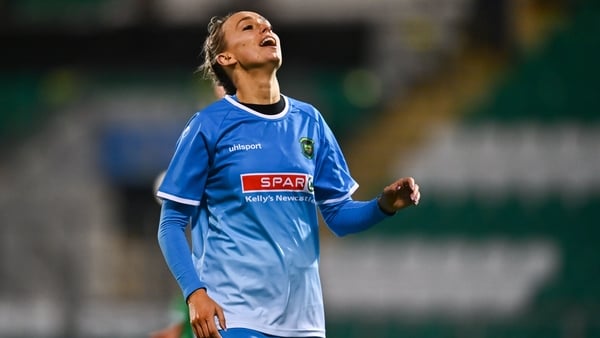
pixel 308 147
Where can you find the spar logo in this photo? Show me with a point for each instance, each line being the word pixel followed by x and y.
pixel 266 182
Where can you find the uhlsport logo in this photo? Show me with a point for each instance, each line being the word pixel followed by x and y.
pixel 308 147
pixel 267 182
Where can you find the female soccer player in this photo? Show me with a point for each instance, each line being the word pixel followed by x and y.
pixel 248 174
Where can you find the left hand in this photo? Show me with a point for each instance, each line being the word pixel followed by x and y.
pixel 400 194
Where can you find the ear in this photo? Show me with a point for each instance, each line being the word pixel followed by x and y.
pixel 226 59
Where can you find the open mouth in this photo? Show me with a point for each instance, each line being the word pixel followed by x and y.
pixel 268 42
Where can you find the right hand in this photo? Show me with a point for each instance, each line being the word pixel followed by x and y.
pixel 202 315
pixel 400 194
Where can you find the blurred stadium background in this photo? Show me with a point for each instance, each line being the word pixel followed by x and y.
pixel 492 105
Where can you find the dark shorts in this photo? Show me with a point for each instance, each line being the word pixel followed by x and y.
pixel 246 333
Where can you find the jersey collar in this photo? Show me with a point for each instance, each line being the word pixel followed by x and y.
pixel 234 101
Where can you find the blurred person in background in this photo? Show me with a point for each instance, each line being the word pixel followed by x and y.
pixel 179 322
pixel 248 173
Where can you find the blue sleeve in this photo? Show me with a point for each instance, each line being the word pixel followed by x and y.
pixel 332 180
pixel 174 218
pixel 185 178
pixel 349 216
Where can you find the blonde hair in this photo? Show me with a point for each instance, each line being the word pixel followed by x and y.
pixel 213 45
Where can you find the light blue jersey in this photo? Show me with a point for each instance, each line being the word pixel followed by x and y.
pixel 257 180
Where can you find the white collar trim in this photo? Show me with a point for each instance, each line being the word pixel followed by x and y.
pixel 234 102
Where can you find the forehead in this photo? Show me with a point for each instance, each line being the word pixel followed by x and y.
pixel 238 17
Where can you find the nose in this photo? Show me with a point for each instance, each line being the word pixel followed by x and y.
pixel 265 28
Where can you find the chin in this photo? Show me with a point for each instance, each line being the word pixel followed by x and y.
pixel 277 62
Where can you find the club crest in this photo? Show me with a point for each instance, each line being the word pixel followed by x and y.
pixel 308 147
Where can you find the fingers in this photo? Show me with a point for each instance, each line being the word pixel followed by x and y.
pixel 200 330
pixel 203 311
pixel 204 326
pixel 406 182
pixel 410 182
pixel 221 318
pixel 402 193
pixel 205 329
pixel 197 329
pixel 416 195
pixel 212 329
pixel 409 189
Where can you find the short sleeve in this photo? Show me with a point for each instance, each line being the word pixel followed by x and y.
pixel 332 181
pixel 186 175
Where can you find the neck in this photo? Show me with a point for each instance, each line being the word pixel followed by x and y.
pixel 257 87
